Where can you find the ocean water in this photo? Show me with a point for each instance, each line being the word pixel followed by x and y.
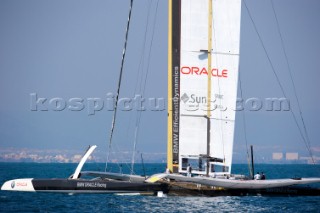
pixel 55 202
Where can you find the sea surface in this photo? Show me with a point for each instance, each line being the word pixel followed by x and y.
pixel 55 202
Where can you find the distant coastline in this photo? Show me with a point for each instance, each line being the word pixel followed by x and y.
pixel 74 156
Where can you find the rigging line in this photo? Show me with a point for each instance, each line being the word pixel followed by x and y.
pixel 219 89
pixel 119 82
pixel 150 47
pixel 291 76
pixel 122 159
pixel 114 150
pixel 143 48
pixel 134 149
pixel 244 125
pixel 144 85
pixel 145 80
pixel 278 80
pixel 140 79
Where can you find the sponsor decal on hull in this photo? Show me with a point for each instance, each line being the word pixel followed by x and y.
pixel 91 185
pixel 18 185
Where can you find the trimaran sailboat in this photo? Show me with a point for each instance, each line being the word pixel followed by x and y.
pixel 203 59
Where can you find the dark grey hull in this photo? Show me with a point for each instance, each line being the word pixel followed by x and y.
pixel 98 186
pixel 191 189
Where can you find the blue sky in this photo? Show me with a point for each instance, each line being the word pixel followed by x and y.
pixel 72 49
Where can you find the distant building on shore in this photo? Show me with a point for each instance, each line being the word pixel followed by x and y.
pixel 277 156
pixel 310 160
pixel 289 156
pixel 292 156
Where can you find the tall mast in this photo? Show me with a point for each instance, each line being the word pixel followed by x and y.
pixel 174 42
pixel 169 145
pixel 209 82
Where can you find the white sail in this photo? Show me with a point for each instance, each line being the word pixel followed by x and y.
pixel 196 129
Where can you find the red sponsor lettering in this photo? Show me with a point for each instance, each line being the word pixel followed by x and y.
pixel 225 73
pixel 21 184
pixel 195 70
pixel 185 70
pixel 215 72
